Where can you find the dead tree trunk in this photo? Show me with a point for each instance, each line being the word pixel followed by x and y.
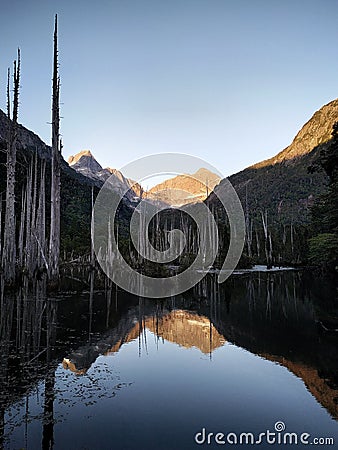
pixel 248 224
pixel 267 240
pixel 54 237
pixel 9 246
pixel 40 223
pixel 1 226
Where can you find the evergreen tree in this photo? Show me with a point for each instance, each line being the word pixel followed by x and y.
pixel 323 247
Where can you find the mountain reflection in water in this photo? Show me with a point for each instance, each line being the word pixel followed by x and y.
pixel 187 329
pixel 286 318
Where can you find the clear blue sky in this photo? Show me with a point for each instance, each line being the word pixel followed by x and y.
pixel 228 81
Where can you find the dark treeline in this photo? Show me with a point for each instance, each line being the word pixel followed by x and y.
pixel 283 231
pixel 323 248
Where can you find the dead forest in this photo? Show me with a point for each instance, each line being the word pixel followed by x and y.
pixel 29 248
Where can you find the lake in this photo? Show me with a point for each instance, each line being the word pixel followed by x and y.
pixel 106 370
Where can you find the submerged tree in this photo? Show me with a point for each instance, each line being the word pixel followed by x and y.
pixel 9 244
pixel 54 237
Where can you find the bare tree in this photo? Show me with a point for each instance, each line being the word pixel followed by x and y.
pixel 54 237
pixel 267 239
pixel 248 224
pixel 9 245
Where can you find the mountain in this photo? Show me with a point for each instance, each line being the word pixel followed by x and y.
pixel 282 186
pixel 316 131
pixel 179 190
pixel 184 189
pixel 85 163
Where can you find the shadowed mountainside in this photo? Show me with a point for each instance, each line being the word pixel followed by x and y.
pixel 282 185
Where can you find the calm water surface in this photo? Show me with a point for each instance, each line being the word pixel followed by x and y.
pixel 119 372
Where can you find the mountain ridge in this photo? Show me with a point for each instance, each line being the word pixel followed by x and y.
pixel 266 185
pixel 282 186
pixel 316 131
pixel 172 192
pixel 85 163
pixel 185 188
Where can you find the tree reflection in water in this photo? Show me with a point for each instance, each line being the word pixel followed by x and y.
pixel 287 318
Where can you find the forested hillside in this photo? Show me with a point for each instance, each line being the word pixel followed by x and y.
pixel 277 194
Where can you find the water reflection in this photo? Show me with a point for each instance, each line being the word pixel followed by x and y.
pixel 185 328
pixel 285 318
pixel 27 335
